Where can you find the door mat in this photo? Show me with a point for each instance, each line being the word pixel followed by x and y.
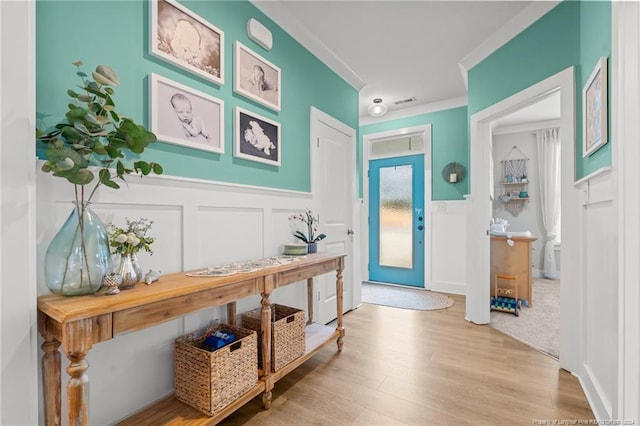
pixel 405 298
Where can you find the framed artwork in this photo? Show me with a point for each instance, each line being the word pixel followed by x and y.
pixel 594 109
pixel 184 116
pixel 256 78
pixel 186 40
pixel 256 138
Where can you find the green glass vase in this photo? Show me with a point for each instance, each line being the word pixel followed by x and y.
pixel 78 257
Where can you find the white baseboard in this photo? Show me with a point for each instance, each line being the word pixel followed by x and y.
pixel 598 402
pixel 447 287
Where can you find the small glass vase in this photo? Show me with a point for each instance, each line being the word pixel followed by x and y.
pixel 312 247
pixel 78 257
pixel 136 266
pixel 129 270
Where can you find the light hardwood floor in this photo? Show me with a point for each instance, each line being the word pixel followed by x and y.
pixel 421 368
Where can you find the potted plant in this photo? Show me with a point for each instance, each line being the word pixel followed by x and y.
pixel 90 148
pixel 310 222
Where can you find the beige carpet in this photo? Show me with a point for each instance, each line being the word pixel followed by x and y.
pixel 404 297
pixel 539 325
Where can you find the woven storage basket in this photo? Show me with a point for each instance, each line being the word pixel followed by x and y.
pixel 287 333
pixel 209 381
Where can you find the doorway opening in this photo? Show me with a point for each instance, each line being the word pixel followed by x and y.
pixel 525 148
pixel 397 190
pixel 479 210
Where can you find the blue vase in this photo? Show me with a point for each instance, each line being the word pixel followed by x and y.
pixel 78 257
pixel 312 247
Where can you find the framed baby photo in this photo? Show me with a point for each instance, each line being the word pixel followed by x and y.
pixel 185 116
pixel 594 109
pixel 179 36
pixel 256 78
pixel 256 138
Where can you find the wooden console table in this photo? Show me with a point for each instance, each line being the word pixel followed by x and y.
pixel 77 323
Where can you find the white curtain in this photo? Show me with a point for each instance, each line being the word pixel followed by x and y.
pixel 548 146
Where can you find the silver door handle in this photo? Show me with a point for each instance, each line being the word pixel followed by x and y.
pixel 350 232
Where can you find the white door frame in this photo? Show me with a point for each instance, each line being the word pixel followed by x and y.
pixel 19 404
pixel 625 157
pixel 317 117
pixel 367 140
pixel 479 215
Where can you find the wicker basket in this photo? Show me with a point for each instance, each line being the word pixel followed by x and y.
pixel 209 381
pixel 287 333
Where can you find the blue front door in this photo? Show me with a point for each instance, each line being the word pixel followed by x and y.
pixel 396 220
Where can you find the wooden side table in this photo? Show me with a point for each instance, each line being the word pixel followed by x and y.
pixel 513 260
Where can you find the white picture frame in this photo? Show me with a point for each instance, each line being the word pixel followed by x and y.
pixel 594 109
pixel 184 116
pixel 257 138
pixel 181 37
pixel 256 78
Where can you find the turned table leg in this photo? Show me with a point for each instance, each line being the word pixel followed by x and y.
pixel 310 300
pixel 339 297
pixel 231 313
pixel 266 347
pixel 77 341
pixel 78 389
pixel 51 381
pixel 266 400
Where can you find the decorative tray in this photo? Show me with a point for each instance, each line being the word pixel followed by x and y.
pixel 242 267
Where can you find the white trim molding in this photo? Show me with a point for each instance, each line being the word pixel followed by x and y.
pixel 625 102
pixel 18 335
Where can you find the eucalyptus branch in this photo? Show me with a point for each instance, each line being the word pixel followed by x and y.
pixel 94 133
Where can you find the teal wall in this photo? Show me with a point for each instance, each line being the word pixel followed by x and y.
pixel 115 33
pixel 449 142
pixel 572 34
pixel 595 42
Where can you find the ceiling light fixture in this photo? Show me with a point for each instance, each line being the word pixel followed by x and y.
pixel 377 108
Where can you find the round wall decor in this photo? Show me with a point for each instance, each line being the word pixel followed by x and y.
pixel 453 172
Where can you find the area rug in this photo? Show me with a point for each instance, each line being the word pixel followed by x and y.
pixel 539 325
pixel 405 298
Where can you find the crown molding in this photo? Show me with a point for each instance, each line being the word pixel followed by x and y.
pixel 417 110
pixel 530 14
pixel 279 14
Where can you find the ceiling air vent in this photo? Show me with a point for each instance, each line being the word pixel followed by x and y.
pixel 405 101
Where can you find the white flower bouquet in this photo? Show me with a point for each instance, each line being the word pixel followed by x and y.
pixel 132 239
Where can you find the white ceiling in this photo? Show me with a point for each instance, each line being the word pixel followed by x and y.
pixel 396 50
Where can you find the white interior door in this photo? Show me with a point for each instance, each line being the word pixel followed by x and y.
pixel 333 184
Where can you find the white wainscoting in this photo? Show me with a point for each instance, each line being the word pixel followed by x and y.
pixel 197 224
pixel 599 283
pixel 447 269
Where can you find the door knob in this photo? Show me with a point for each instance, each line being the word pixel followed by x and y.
pixel 350 232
